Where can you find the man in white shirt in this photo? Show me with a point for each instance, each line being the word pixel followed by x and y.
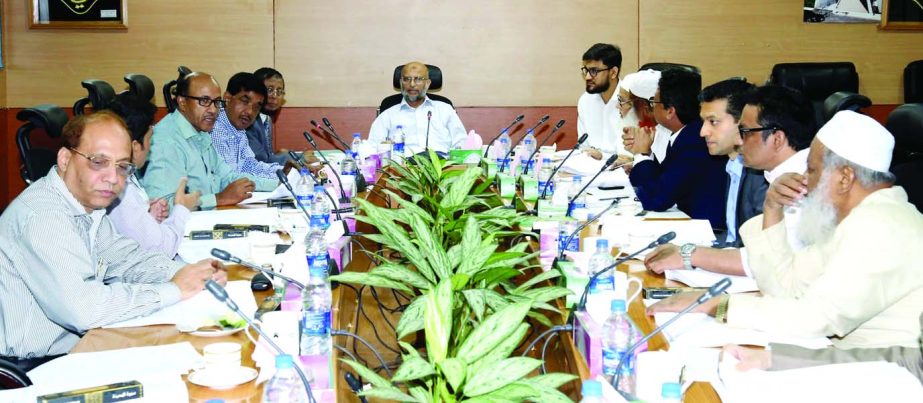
pixel 426 123
pixel 598 108
pixel 776 127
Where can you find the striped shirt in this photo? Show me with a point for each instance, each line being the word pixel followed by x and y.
pixel 233 147
pixel 129 214
pixel 64 271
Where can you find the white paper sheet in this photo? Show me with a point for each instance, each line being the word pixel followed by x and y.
pixel 198 310
pixel 278 193
pixel 702 278
pixel 636 232
pixel 701 330
pixel 195 250
pixel 582 164
pixel 852 382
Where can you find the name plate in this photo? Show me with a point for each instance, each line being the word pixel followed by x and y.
pixel 507 185
pixel 547 209
pixel 116 392
pixel 529 188
pixel 490 168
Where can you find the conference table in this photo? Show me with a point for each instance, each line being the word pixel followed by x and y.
pixel 372 313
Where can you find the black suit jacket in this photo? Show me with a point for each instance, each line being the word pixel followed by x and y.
pixel 750 196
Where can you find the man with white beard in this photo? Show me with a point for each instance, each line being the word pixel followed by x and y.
pixel 857 279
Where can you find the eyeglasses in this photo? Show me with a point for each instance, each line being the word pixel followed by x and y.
pixel 653 101
pixel 622 101
pixel 206 101
pixel 592 71
pixel 745 131
pixel 101 162
pixel 414 80
pixel 278 92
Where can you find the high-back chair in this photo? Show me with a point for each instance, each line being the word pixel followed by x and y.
pixel 99 95
pixel 435 84
pixel 36 162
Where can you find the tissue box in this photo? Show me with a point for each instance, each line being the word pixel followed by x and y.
pixel 588 342
pixel 465 156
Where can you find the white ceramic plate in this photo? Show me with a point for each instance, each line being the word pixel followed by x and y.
pixel 216 333
pixel 222 379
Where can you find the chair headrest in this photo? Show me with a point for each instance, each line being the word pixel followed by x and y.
pixel 140 85
pixel 47 116
pixel 913 82
pixel 100 93
pixel 816 80
pixel 906 124
pixel 661 66
pixel 844 100
pixel 435 77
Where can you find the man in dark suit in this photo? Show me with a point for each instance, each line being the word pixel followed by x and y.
pixel 688 177
pixel 259 134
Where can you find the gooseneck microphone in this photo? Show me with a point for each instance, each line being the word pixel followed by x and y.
pixel 299 161
pixel 222 296
pixel 513 146
pixel 540 122
pixel 576 146
pixel 342 147
pixel 333 204
pixel 517 120
pixel 584 225
pixel 343 198
pixel 713 291
pixel 581 304
pixel 542 143
pixel 227 256
pixel 429 117
pixel 570 203
pixel 284 179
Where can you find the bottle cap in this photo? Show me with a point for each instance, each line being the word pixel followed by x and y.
pixel 592 388
pixel 618 305
pixel 602 243
pixel 284 361
pixel 318 188
pixel 356 135
pixel 546 160
pixel 400 126
pixel 671 390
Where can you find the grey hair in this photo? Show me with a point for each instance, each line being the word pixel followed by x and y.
pixel 868 178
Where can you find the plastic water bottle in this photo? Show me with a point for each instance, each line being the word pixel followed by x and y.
pixel 671 392
pixel 579 202
pixel 528 147
pixel 599 262
pixel 543 175
pixel 619 332
pixel 567 229
pixel 320 208
pixel 397 148
pixel 592 392
pixel 356 144
pixel 303 188
pixel 316 297
pixel 285 386
pixel 502 149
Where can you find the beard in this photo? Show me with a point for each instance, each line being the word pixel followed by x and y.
pixel 598 88
pixel 413 98
pixel 818 215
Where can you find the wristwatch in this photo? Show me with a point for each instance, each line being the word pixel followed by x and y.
pixel 721 311
pixel 685 252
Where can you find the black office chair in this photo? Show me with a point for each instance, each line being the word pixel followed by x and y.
pixel 100 95
pixel 661 66
pixel 435 84
pixel 906 124
pixel 913 82
pixel 36 162
pixel 140 85
pixel 169 98
pixel 817 81
pixel 844 101
pixel 12 377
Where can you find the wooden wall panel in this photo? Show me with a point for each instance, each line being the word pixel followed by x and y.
pixel 220 37
pixel 492 53
pixel 747 37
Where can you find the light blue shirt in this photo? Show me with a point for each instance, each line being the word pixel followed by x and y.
pixel 734 168
pixel 446 131
pixel 178 150
pixel 233 146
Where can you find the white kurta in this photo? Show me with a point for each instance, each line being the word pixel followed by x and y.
pixel 863 287
pixel 602 122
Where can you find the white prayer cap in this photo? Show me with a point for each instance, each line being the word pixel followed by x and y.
pixel 859 139
pixel 625 83
pixel 642 84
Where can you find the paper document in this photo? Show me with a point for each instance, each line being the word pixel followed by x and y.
pixel 702 278
pixel 196 250
pixel 634 233
pixel 199 310
pixel 582 164
pixel 701 330
pixel 280 192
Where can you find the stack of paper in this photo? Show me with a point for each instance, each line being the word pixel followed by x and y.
pixel 198 310
pixel 279 193
pixel 701 330
pixel 702 278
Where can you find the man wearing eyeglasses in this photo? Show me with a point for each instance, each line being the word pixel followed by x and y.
pixel 182 147
pixel 598 108
pixel 245 95
pixel 415 113
pixel 260 132
pixel 776 127
pixel 64 268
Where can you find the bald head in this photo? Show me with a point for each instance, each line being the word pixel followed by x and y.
pixel 414 83
pixel 195 95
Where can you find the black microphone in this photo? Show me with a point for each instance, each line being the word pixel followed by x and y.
pixel 576 146
pixel 343 198
pixel 570 203
pixel 713 291
pixel 517 120
pixel 545 140
pixel 222 295
pixel 584 225
pixel 323 129
pixel 225 255
pixel 429 117
pixel 333 204
pixel 581 304
pixel 334 132
pixel 284 179
pixel 355 385
pixel 513 145
pixel 298 161
pixel 540 122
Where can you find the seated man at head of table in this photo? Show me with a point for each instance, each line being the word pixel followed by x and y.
pixel 859 280
pixel 597 109
pixel 446 131
pixel 244 98
pixel 261 131
pixel 778 125
pixel 148 222
pixel 182 147
pixel 687 177
pixel 64 269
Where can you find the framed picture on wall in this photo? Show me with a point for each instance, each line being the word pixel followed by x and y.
pixel 78 14
pixel 902 14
